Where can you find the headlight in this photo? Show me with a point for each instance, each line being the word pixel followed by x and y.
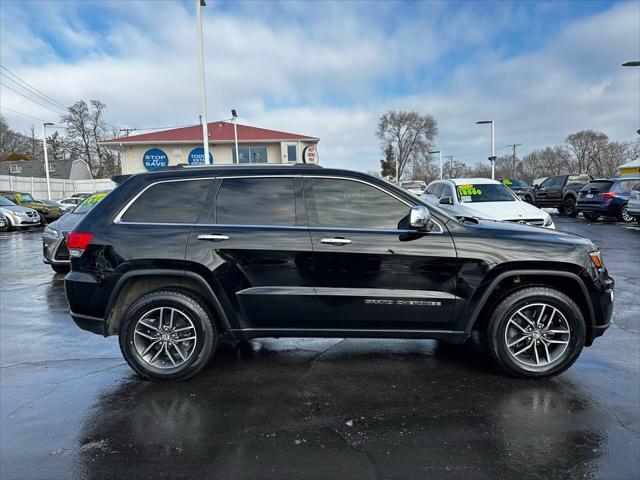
pixel 51 232
pixel 18 213
pixel 547 221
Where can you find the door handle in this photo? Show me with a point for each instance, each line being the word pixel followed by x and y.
pixel 213 238
pixel 336 241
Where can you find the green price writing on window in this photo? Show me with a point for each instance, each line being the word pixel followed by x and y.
pixel 468 190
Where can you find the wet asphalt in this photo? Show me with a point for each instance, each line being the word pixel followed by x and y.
pixel 310 408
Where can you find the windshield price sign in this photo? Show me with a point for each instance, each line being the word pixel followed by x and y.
pixel 468 190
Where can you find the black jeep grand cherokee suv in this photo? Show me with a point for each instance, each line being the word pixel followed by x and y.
pixel 173 259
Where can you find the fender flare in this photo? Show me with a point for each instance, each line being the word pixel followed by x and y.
pixel 211 296
pixel 514 273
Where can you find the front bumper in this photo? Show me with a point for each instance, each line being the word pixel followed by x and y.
pixel 602 298
pixel 24 222
pixel 54 250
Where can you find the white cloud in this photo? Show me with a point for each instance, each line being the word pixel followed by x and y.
pixel 318 69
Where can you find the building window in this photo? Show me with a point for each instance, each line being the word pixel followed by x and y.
pixel 15 168
pixel 292 153
pixel 250 154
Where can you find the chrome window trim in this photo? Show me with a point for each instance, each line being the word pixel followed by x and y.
pixel 118 218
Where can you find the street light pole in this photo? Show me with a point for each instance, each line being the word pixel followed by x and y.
pixel 46 157
pixel 492 158
pixel 203 98
pixel 234 115
pixel 440 158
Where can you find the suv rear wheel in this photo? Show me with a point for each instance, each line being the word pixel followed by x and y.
pixel 167 335
pixel 536 332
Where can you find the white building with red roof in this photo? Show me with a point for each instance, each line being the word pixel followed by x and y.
pixel 148 151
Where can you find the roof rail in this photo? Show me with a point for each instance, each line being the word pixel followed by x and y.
pixel 239 165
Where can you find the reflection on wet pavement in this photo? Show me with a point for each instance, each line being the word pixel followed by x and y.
pixel 309 408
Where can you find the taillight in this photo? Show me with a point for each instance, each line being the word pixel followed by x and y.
pixel 77 242
pixel 608 195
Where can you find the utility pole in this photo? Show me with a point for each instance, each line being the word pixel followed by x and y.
pixel 450 157
pixel 515 167
pixel 127 131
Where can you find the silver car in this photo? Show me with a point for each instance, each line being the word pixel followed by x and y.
pixel 17 216
pixel 54 238
pixel 633 205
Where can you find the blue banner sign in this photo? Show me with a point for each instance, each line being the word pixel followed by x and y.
pixel 196 157
pixel 155 158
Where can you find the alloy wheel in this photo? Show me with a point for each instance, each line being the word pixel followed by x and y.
pixel 624 214
pixel 165 337
pixel 537 335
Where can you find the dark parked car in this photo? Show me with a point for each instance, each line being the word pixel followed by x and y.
pixel 607 198
pixel 54 236
pixel 521 188
pixel 561 192
pixel 174 259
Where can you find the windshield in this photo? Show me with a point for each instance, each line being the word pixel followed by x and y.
pixel 87 205
pixel 515 183
pixel 25 197
pixel 5 202
pixel 484 192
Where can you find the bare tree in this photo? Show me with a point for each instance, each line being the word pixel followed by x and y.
pixel 410 135
pixel 86 128
pixel 546 162
pixel 586 146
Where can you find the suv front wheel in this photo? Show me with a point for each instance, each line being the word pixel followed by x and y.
pixel 536 332
pixel 167 335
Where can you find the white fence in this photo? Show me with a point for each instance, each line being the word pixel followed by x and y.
pixel 60 188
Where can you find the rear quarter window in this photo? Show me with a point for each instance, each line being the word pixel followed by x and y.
pixel 169 202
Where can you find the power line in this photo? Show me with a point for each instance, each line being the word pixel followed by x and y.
pixel 34 89
pixel 21 113
pixel 32 100
pixel 26 92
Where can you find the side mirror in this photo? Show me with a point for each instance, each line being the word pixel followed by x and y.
pixel 420 218
pixel 446 201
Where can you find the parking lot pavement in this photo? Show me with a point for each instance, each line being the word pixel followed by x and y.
pixel 71 408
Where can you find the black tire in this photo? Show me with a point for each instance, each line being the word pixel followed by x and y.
pixel 592 217
pixel 60 268
pixel 203 327
pixel 569 206
pixel 499 327
pixel 43 222
pixel 623 215
pixel 529 199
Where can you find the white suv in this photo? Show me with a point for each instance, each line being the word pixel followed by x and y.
pixel 485 199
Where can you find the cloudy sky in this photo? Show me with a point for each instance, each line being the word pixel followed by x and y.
pixel 541 70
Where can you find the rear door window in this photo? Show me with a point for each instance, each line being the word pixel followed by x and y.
pixel 256 201
pixel 169 202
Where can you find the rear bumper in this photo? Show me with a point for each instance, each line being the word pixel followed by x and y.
pixel 606 210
